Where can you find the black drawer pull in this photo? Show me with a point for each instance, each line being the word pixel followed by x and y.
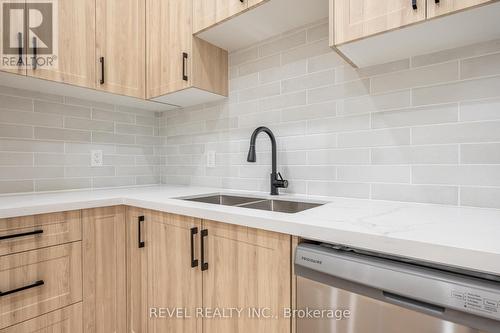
pixel 101 60
pixel 204 264
pixel 23 234
pixel 140 242
pixel 34 65
pixel 194 262
pixel 33 285
pixel 184 66
pixel 20 49
pixel 414 4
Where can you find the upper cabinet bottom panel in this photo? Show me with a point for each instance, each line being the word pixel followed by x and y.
pixel 467 27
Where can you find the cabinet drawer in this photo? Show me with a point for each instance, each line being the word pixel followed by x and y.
pixel 66 320
pixel 33 232
pixel 36 282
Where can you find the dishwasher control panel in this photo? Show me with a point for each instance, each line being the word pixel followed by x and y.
pixel 476 301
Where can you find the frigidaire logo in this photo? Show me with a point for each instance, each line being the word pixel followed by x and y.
pixel 314 261
pixel 29 34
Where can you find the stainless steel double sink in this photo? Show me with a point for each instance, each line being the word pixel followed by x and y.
pixel 274 205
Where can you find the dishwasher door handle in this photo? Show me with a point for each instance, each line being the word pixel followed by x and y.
pixel 413 303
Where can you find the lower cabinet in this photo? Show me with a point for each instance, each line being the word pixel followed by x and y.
pixel 184 272
pixel 248 269
pixel 161 276
pixel 104 270
pixel 35 282
pixel 65 320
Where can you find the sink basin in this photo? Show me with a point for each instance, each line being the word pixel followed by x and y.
pixel 274 205
pixel 282 206
pixel 226 200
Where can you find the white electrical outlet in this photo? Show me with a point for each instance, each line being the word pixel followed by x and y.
pixel 211 159
pixel 96 158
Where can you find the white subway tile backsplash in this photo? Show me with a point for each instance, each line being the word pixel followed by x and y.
pixel 16 131
pixel 339 189
pixel 483 153
pixel 468 175
pixel 30 118
pixel 457 133
pixel 308 81
pixel 339 91
pixel 422 76
pixel 374 174
pixel 372 103
pixel 374 138
pixel 444 195
pixel 488 197
pixel 54 136
pixel 62 109
pixel 16 159
pixel 425 129
pixel 282 44
pixel 338 124
pixel 415 155
pixel 480 66
pixel 481 110
pixel 457 91
pixel 287 71
pixel 339 156
pixel 47 133
pixel 416 116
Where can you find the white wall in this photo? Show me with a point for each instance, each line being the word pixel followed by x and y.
pixel 425 129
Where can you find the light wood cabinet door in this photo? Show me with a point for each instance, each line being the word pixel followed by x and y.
pixel 247 269
pixel 36 231
pixel 204 14
pixel 65 320
pixel 449 6
pixel 161 274
pixel 14 58
pixel 121 46
pixel 104 267
pixel 227 8
pixel 75 63
pixel 39 281
pixel 168 42
pixel 355 19
pixel 208 12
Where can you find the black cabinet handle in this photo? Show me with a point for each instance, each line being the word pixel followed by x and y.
pixel 204 265
pixel 34 65
pixel 101 60
pixel 140 242
pixel 194 262
pixel 437 1
pixel 414 4
pixel 184 65
pixel 22 234
pixel 33 285
pixel 20 49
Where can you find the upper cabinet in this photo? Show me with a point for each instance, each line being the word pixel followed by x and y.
pixel 441 7
pixel 121 46
pixel 356 19
pixel 209 12
pixel 236 24
pixel 181 69
pixel 369 32
pixel 73 45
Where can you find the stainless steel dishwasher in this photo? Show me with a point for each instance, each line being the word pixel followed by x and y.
pixel 342 290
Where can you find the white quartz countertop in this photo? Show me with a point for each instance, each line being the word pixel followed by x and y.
pixel 456 236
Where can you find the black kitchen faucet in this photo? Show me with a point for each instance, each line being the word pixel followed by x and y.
pixel 276 180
